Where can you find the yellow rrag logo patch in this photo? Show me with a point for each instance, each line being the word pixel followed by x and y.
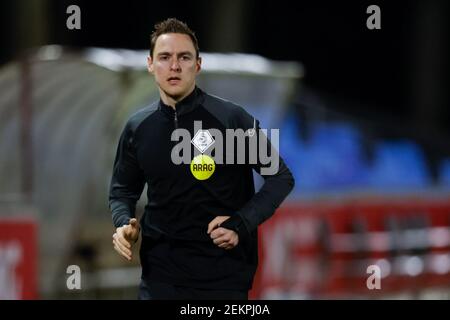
pixel 202 167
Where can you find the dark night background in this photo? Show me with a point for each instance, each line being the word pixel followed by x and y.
pixel 398 74
pixel 366 136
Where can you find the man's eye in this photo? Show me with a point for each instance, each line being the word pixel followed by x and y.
pixel 186 58
pixel 163 57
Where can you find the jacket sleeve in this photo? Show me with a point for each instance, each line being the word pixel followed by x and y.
pixel 278 181
pixel 127 182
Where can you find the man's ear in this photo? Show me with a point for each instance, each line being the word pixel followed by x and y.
pixel 150 64
pixel 199 64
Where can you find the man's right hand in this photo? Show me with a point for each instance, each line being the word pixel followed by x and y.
pixel 125 237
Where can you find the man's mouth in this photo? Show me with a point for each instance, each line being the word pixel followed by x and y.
pixel 173 80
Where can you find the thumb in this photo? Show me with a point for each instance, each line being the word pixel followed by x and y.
pixel 133 223
pixel 131 228
pixel 213 224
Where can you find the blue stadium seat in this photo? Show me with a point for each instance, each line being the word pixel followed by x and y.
pixel 331 159
pixel 335 154
pixel 399 164
pixel 444 173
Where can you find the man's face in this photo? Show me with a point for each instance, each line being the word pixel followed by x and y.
pixel 174 64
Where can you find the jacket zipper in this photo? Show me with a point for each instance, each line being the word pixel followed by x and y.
pixel 176 120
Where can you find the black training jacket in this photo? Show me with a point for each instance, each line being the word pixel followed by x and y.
pixel 175 245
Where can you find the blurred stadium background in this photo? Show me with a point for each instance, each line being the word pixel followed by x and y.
pixel 364 125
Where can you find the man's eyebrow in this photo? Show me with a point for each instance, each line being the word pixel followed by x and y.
pixel 166 53
pixel 185 53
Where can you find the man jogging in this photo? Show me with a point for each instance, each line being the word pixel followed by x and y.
pixel 199 228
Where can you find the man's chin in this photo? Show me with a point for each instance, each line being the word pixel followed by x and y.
pixel 174 93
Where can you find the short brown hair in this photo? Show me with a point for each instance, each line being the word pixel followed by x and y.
pixel 172 25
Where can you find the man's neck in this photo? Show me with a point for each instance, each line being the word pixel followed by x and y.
pixel 172 101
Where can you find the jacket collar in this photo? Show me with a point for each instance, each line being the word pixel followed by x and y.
pixel 184 106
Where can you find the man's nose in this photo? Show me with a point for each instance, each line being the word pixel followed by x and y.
pixel 175 66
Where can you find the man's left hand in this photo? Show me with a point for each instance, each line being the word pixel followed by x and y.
pixel 223 238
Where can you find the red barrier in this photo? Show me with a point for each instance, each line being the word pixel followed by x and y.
pixel 18 259
pixel 323 250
